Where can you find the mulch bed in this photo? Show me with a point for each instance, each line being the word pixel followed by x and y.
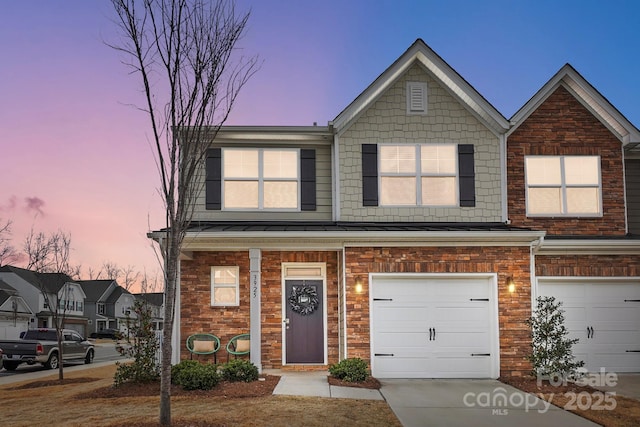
pixel 370 382
pixel 49 383
pixel 224 389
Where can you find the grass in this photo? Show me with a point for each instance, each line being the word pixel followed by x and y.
pixel 68 405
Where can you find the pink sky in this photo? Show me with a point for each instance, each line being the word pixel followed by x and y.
pixel 75 157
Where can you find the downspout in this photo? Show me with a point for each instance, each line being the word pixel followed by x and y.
pixel 624 189
pixel 344 300
pixel 533 249
pixel 335 172
pixel 503 178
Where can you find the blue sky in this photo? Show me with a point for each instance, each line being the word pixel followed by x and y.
pixel 76 156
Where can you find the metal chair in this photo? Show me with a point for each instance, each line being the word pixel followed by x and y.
pixel 239 345
pixel 203 344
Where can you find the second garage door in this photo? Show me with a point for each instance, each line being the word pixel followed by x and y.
pixel 604 315
pixel 434 327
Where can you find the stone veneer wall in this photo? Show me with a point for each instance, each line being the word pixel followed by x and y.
pixel 563 126
pixel 198 316
pixel 513 309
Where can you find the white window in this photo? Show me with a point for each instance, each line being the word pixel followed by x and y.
pixel 100 308
pixel 263 179
pixel 425 174
pixel 416 98
pixel 563 186
pixel 225 286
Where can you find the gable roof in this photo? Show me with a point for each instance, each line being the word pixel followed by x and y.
pixel 422 54
pixel 95 289
pixel 153 298
pixel 115 295
pixel 588 96
pixel 50 282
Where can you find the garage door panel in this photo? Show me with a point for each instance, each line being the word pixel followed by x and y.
pixel 457 311
pixel 604 316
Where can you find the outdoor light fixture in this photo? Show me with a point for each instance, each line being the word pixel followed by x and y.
pixel 511 284
pixel 358 285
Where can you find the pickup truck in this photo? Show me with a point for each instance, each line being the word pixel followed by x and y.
pixel 41 346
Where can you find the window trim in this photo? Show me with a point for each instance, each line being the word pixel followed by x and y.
pixel 236 286
pixel 419 175
pixel 563 189
pixel 261 180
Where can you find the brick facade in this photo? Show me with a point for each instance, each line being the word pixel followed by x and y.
pixel 588 265
pixel 513 309
pixel 563 126
pixel 197 314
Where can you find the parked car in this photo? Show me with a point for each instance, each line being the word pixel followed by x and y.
pixel 41 346
pixel 113 334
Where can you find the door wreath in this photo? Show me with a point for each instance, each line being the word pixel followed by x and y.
pixel 303 299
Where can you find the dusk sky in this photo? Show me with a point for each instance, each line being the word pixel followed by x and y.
pixel 75 155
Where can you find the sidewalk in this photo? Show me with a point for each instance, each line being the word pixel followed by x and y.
pixel 316 384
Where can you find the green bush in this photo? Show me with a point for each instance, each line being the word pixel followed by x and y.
pixel 352 370
pixel 192 375
pixel 177 370
pixel 239 370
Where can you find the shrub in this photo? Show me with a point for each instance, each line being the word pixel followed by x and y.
pixel 239 370
pixel 192 375
pixel 142 346
pixel 352 370
pixel 551 352
pixel 177 370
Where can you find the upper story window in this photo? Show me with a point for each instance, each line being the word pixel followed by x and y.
pixel 563 186
pixel 260 179
pixel 424 175
pixel 225 285
pixel 101 308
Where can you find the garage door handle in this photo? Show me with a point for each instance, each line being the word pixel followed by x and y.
pixel 632 300
pixel 478 299
pixel 383 354
pixel 633 351
pixel 430 334
pixel 383 299
pixel 481 354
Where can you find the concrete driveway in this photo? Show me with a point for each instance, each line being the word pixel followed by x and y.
pixel 471 403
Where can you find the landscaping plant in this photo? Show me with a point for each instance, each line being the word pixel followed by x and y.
pixel 239 370
pixel 352 370
pixel 551 353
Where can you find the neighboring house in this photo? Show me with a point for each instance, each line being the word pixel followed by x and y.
pixel 60 289
pixel 120 306
pixel 417 228
pixel 98 292
pixel 15 313
pixel 155 302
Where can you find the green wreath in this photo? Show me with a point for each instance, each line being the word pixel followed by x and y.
pixel 303 300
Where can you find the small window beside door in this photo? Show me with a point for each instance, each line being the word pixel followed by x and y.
pixel 225 286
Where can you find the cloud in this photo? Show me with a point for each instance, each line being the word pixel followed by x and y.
pixel 34 204
pixel 10 205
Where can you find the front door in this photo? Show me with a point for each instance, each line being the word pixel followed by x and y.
pixel 304 322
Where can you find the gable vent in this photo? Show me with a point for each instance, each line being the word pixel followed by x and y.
pixel 416 98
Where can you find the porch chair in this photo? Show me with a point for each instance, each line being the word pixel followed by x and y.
pixel 239 345
pixel 203 344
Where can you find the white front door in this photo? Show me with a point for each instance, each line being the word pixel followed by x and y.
pixel 434 327
pixel 604 314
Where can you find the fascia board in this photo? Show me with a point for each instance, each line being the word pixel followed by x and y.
pixel 589 247
pixel 462 90
pixel 588 96
pixel 335 240
pixel 298 134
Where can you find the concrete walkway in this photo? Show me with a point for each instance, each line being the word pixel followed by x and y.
pixel 316 384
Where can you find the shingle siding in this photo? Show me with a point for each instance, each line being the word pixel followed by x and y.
pixel 447 121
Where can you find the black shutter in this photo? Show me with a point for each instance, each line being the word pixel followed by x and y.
pixel 369 175
pixel 213 179
pixel 467 175
pixel 308 180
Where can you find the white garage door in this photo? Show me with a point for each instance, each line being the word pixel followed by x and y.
pixel 604 316
pixel 434 327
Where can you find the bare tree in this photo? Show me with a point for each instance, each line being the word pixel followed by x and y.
pixel 8 253
pixel 50 254
pixel 129 277
pixel 185 54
